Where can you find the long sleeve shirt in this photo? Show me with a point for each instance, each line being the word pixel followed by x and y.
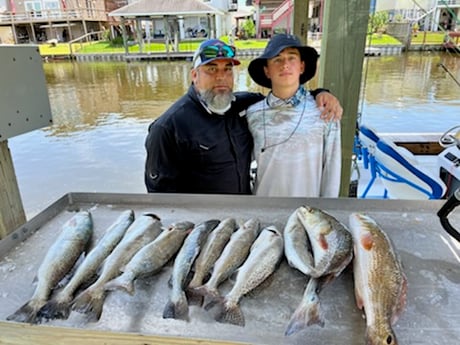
pixel 297 153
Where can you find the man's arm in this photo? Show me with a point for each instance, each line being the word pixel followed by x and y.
pixel 330 107
pixel 161 167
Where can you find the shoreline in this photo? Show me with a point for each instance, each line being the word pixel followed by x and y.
pixel 378 50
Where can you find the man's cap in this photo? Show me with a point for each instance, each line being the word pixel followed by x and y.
pixel 212 50
pixel 277 44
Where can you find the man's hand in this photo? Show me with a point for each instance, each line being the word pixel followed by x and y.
pixel 330 107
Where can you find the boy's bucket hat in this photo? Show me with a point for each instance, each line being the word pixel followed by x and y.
pixel 276 44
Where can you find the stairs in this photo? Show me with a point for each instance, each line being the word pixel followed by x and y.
pixel 274 13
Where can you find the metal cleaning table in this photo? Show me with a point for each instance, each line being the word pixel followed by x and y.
pixel 430 258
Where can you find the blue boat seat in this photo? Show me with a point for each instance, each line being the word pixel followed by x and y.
pixel 402 176
pixel 397 168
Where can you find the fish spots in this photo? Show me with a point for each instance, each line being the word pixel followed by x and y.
pixel 367 242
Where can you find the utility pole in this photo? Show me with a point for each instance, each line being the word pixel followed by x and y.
pixel 341 65
pixel 344 25
pixel 301 20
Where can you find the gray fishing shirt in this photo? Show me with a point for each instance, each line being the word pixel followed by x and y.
pixel 297 153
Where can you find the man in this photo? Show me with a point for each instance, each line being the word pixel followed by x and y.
pixel 298 153
pixel 202 143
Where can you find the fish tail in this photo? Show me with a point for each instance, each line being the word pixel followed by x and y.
pixel 26 313
pixel 121 283
pixel 194 298
pixel 55 309
pixel 205 294
pixel 89 302
pixel 304 316
pixel 231 314
pixel 178 309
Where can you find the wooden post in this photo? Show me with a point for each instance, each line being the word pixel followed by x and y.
pixel 301 20
pixel 341 66
pixel 12 212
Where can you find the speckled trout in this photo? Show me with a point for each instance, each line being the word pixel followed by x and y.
pixel 177 305
pixel 151 258
pixel 211 251
pixel 233 255
pixel 380 283
pixel 263 259
pixel 59 260
pixel 141 232
pixel 59 305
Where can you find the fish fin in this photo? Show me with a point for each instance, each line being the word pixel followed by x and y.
pixel 306 315
pixel 26 313
pixel 55 309
pixel 208 295
pixel 323 242
pixel 402 301
pixel 230 314
pixel 177 310
pixel 89 302
pixel 367 241
pixel 123 283
pixel 194 298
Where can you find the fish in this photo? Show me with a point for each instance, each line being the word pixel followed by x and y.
pixel 141 232
pixel 297 248
pixel 177 305
pixel 331 241
pixel 151 258
pixel 234 253
pixel 380 283
pixel 59 305
pixel 332 247
pixel 264 257
pixel 309 310
pixel 211 251
pixel 71 242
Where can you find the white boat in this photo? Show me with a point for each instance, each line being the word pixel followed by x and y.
pixel 390 171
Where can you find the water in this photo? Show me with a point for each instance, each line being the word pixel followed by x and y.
pixel 101 112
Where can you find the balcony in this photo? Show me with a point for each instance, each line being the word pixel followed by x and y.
pixel 448 3
pixel 52 16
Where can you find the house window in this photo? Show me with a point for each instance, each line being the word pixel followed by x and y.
pixel 52 7
pixel 33 8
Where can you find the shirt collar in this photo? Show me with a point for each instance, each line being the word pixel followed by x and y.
pixel 295 100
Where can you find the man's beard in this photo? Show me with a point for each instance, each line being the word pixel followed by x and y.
pixel 218 102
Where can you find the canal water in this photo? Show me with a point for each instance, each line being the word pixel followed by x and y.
pixel 101 111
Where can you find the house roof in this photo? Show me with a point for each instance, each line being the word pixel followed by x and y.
pixel 160 8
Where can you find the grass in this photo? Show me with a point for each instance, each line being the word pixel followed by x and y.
pixel 428 38
pixel 105 47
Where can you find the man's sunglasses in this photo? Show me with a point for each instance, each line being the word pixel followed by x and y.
pixel 211 52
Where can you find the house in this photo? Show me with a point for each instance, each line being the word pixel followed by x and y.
pixel 35 21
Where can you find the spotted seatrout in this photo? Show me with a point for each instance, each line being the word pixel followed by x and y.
pixel 233 255
pixel 177 305
pixel 211 251
pixel 151 258
pixel 380 283
pixel 58 261
pixel 141 232
pixel 263 259
pixel 59 305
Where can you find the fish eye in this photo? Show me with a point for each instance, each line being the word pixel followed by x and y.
pixel 389 340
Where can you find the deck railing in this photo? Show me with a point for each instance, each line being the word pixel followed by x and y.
pixel 448 2
pixel 53 15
